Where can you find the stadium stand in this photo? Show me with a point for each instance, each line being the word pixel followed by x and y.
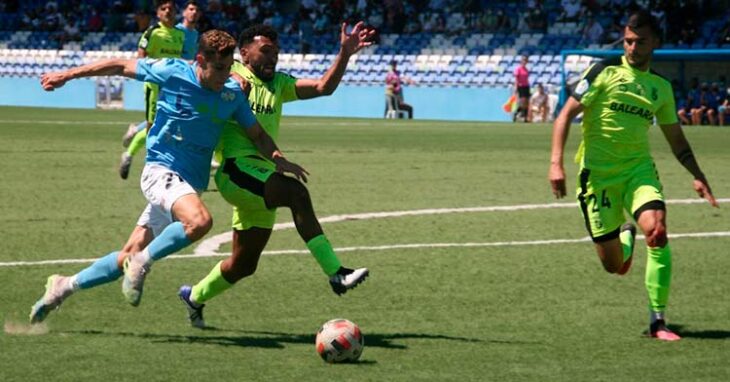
pixel 437 43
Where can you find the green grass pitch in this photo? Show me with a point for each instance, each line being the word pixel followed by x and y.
pixel 514 305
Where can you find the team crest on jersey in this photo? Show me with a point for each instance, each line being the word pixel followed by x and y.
pixel 582 87
pixel 654 94
pixel 228 96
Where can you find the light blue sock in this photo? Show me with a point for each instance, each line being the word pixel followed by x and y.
pixel 171 240
pixel 142 125
pixel 101 271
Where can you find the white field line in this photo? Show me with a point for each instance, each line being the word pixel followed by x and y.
pixel 125 123
pixel 209 247
pixel 39 122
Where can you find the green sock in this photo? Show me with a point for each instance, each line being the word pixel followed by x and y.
pixel 211 286
pixel 627 244
pixel 138 142
pixel 658 276
pixel 324 254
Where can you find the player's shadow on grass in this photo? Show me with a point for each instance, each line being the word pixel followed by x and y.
pixel 277 340
pixel 701 334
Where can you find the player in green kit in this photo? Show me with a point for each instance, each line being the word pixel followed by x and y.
pixel 619 99
pixel 249 182
pixel 161 40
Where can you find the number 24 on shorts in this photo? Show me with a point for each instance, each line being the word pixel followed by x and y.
pixel 593 200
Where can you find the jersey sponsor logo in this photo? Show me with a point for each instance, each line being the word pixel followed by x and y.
pixel 228 96
pixel 258 108
pixel 175 52
pixel 632 109
pixel 582 87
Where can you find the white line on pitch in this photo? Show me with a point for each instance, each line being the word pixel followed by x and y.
pixel 382 248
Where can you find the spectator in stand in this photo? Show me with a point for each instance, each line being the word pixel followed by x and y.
pixel 571 10
pixel 592 32
pixel 95 23
pixel 723 110
pixel 306 30
pixel 142 20
pixel 724 34
pixel 503 22
pixel 536 20
pixel 700 105
pixel 688 33
pixel 714 99
pixel 539 105
pixel 488 22
pixel 691 100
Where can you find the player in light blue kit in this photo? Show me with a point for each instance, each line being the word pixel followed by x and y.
pixel 188 24
pixel 196 100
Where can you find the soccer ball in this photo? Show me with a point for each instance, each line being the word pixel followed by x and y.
pixel 339 340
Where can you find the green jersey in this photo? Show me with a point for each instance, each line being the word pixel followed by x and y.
pixel 159 41
pixel 620 104
pixel 266 99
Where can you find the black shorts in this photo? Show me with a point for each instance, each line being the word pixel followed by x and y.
pixel 523 91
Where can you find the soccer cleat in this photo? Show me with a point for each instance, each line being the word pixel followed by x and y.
pixel 57 289
pixel 124 165
pixel 195 311
pixel 627 264
pixel 135 272
pixel 129 135
pixel 346 279
pixel 658 329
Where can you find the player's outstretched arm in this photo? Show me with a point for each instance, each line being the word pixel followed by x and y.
pixel 112 67
pixel 268 148
pixel 683 152
pixel 561 128
pixel 351 43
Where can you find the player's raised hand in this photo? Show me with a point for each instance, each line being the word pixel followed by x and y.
pixel 703 190
pixel 556 175
pixel 284 166
pixel 359 38
pixel 53 80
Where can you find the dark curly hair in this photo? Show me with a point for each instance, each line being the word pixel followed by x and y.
pixel 249 33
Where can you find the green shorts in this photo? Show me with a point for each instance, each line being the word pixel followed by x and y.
pixel 241 183
pixel 151 92
pixel 603 197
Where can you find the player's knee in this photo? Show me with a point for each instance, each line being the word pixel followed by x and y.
pixel 198 226
pixel 657 238
pixel 298 193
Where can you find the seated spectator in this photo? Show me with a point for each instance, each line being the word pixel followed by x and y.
pixel 536 20
pixel 538 106
pixel 571 10
pixel 715 98
pixel 592 32
pixel 700 106
pixel 723 109
pixel 724 34
pixel 689 102
pixel 503 22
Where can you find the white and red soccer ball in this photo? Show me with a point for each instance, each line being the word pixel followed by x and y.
pixel 339 340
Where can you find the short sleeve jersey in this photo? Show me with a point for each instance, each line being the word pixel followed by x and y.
pixel 522 76
pixel 392 80
pixel 266 99
pixel 190 118
pixel 159 41
pixel 620 104
pixel 190 44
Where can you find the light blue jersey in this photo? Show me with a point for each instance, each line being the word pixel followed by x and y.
pixel 189 118
pixel 190 44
